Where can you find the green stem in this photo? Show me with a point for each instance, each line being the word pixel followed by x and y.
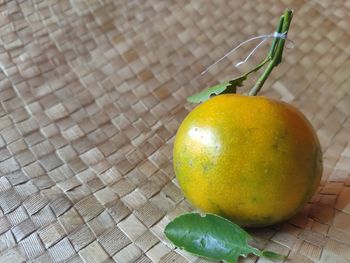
pixel 276 51
pixel 233 83
pixel 263 63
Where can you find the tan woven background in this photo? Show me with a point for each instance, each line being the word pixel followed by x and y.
pixel 92 93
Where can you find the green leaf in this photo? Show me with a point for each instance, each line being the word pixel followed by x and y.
pixel 213 237
pixel 208 93
pixel 210 236
pixel 227 87
pixel 272 255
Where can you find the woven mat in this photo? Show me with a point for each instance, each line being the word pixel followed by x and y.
pixel 92 93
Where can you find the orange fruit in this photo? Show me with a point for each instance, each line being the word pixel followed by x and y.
pixel 251 159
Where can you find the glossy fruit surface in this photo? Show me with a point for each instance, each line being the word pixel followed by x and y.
pixel 251 159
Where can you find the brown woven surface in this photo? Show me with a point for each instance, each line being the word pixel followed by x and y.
pixel 92 93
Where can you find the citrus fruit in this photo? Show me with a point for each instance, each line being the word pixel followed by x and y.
pixel 252 159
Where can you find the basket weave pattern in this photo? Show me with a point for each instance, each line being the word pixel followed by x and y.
pixel 92 93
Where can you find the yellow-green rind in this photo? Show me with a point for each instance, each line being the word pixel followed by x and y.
pixel 251 159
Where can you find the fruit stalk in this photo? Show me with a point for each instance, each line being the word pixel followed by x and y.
pixel 276 50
